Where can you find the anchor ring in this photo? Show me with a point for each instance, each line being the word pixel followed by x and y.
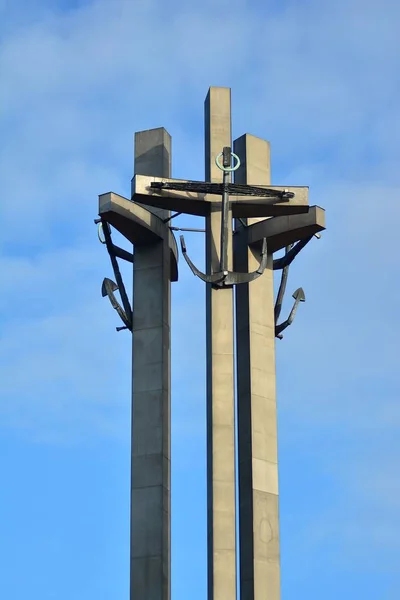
pixel 229 169
pixel 99 231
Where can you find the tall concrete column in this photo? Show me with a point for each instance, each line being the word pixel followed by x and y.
pixel 220 374
pixel 151 402
pixel 256 390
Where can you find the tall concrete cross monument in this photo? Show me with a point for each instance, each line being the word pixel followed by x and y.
pixel 247 220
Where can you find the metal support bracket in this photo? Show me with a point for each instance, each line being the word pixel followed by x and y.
pixel 285 261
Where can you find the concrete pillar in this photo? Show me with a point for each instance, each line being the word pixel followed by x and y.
pixel 256 390
pixel 151 402
pixel 220 375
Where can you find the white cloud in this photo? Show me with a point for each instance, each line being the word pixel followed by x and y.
pixel 100 71
pixel 63 372
pixel 320 80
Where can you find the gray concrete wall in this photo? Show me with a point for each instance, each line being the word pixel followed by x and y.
pixel 220 375
pixel 151 401
pixel 256 390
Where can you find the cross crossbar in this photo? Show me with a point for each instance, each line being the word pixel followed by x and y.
pixel 199 203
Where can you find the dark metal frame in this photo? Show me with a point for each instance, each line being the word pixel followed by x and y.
pixel 223 277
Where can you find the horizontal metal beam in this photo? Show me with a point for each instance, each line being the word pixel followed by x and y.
pixel 200 204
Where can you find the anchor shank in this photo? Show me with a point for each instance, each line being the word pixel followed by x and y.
pixel 282 287
pixel 225 223
pixel 118 277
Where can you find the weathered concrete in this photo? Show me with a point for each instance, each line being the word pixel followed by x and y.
pixel 142 221
pixel 220 375
pixel 257 422
pixel 151 428
pixel 283 231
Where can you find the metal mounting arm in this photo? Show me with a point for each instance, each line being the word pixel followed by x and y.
pixel 285 261
pixel 116 250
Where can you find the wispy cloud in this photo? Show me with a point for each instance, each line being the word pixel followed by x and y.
pixel 321 82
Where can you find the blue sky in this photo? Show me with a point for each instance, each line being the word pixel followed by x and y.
pixel 320 80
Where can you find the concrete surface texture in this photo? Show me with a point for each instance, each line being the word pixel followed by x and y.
pixel 256 397
pixel 257 448
pixel 220 374
pixel 151 401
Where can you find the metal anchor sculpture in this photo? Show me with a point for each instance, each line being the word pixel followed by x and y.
pixel 298 296
pixel 283 263
pixel 268 219
pixel 109 286
pixel 224 277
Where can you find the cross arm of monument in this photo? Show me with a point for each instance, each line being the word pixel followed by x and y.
pixel 292 232
pixel 140 227
pixel 285 230
pixel 163 193
pixel 137 224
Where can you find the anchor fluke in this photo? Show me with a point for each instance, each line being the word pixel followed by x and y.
pixel 108 287
pixel 299 296
pixel 224 277
pixel 234 278
pixel 213 278
pixel 227 278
